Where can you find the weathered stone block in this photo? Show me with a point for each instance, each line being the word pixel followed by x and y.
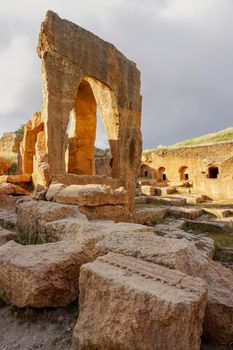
pixel 16 178
pixel 45 275
pixel 54 189
pixel 148 190
pixel 6 236
pixel 204 244
pixel 33 215
pixel 149 215
pixel 91 195
pixel 126 303
pixel 11 189
pixel 185 212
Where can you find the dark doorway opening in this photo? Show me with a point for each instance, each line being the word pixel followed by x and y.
pixel 213 172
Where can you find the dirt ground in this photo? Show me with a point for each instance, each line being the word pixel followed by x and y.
pixel 44 329
pixel 37 329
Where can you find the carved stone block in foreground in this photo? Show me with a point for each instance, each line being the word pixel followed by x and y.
pixel 128 304
pixel 45 275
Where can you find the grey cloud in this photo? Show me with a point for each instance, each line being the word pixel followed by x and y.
pixel 186 65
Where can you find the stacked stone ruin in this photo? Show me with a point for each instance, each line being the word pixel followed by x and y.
pixel 139 287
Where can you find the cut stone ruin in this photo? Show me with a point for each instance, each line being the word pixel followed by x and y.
pixel 80 73
pixel 138 287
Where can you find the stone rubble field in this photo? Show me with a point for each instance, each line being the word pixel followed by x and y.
pixel 123 274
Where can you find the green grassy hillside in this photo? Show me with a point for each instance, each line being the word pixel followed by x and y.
pixel 225 135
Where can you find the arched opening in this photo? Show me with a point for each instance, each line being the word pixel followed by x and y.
pixel 161 174
pixel 184 173
pixel 103 157
pixel 144 171
pixel 213 172
pixel 93 99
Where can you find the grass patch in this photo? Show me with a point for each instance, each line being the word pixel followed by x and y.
pixel 223 256
pixel 27 238
pixel 222 240
pixel 27 313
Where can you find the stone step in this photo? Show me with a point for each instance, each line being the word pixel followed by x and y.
pixel 219 212
pixel 168 201
pixel 173 201
pixel 185 212
pixel 149 215
pixel 209 225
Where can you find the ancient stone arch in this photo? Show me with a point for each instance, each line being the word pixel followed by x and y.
pixel 184 173
pixel 81 71
pixel 161 174
pixel 144 170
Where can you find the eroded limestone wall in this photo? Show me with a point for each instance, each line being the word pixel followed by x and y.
pixel 9 146
pixel 196 161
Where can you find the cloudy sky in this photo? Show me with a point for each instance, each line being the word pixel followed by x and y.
pixel 183 48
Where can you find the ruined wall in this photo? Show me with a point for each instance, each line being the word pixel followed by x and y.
pixel 82 72
pixel 9 152
pixel 196 162
pixel 103 166
pixel 9 146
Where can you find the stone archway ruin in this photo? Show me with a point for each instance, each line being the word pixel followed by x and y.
pixel 161 174
pixel 144 170
pixel 81 71
pixel 184 173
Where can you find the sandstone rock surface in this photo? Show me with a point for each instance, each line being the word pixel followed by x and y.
pixel 6 236
pixel 8 219
pixel 206 225
pixel 126 303
pixel 39 276
pixel 117 213
pixel 11 189
pixel 149 215
pixel 91 195
pixel 9 146
pixel 15 178
pixel 32 215
pixel 53 190
pixel 185 212
pixel 148 190
pixel 4 165
pixel 204 244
